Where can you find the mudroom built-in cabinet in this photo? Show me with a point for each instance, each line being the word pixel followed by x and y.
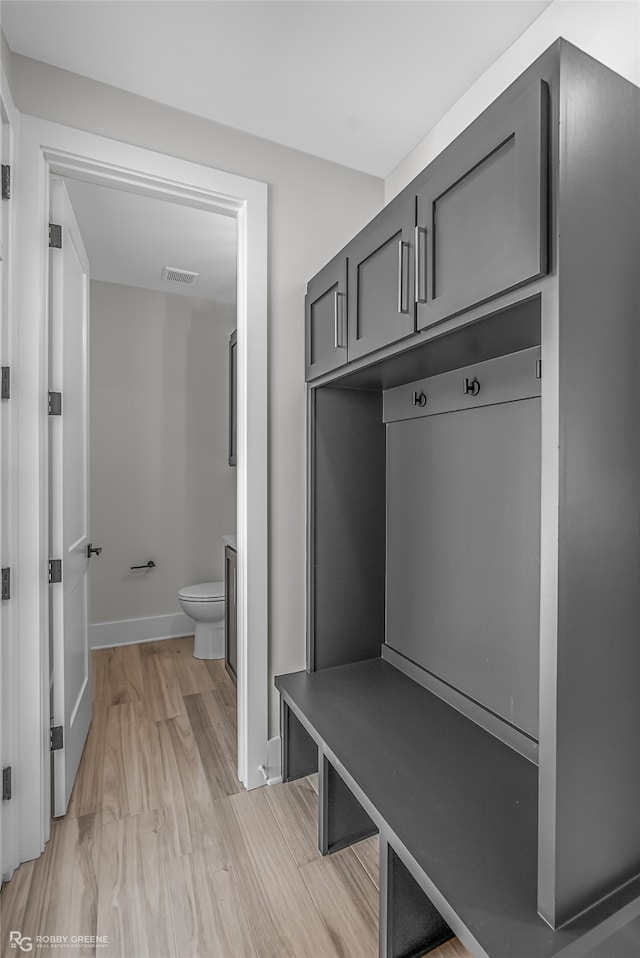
pixel 473 610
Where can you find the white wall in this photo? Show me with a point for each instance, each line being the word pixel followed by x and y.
pixel 607 30
pixel 161 486
pixel 315 207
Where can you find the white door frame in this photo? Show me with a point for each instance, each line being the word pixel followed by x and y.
pixel 46 148
pixel 8 624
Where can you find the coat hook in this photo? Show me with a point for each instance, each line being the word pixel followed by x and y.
pixel 471 387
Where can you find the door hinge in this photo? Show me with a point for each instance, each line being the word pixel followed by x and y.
pixel 57 738
pixel 55 404
pixel 55 236
pixel 6 182
pixel 6 783
pixel 6 583
pixel 55 571
pixel 5 386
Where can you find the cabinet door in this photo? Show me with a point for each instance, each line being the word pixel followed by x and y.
pixel 482 224
pixel 326 320
pixel 231 611
pixel 381 285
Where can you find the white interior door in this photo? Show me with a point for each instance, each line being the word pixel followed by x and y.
pixel 4 476
pixel 69 463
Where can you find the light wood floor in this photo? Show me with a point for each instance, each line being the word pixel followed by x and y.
pixel 163 853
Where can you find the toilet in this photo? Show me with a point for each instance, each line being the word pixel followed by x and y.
pixel 205 604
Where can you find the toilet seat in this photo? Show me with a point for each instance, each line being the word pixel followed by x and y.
pixel 203 592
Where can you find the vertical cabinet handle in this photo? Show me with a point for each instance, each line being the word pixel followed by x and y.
pixel 403 278
pixel 421 264
pixel 235 586
pixel 337 320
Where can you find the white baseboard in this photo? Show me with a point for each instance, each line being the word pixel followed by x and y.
pixel 106 635
pixel 274 761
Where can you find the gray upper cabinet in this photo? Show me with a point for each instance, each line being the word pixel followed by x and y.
pixel 471 227
pixel 482 210
pixel 326 319
pixel 381 280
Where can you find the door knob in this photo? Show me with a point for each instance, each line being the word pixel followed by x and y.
pixel 93 550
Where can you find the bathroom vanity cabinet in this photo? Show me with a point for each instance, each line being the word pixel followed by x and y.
pixel 474 532
pixel 231 611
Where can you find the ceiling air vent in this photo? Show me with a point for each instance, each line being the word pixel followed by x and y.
pixel 183 276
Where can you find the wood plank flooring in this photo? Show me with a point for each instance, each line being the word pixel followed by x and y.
pixel 163 853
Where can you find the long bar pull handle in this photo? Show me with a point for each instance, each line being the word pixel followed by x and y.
pixel 403 287
pixel 421 264
pixel 235 586
pixel 337 320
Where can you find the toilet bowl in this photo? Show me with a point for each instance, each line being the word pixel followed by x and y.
pixel 205 604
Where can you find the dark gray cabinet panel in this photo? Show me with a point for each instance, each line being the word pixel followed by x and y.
pixel 346 535
pixel 463 552
pixel 590 701
pixel 342 821
pixel 231 611
pixel 482 224
pixel 326 319
pixel 381 280
pixel 409 922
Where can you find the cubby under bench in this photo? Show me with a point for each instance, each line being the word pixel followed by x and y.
pixel 456 810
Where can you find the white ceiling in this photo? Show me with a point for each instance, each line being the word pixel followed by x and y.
pixel 129 238
pixel 359 82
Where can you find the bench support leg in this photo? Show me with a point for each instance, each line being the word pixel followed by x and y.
pixel 341 818
pixel 410 925
pixel 299 751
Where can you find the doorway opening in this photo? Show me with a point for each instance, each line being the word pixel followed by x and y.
pixel 140 350
pixel 49 149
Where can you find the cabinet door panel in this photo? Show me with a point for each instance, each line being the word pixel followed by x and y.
pixel 326 320
pixel 482 215
pixel 381 280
